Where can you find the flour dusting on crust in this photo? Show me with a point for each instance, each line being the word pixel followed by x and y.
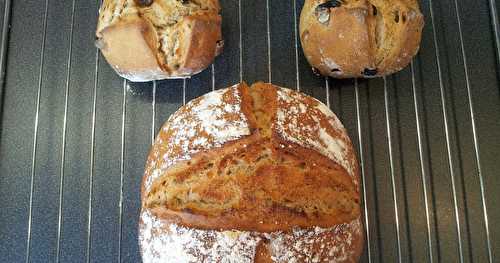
pixel 204 123
pixel 301 245
pixel 309 123
pixel 209 122
pixel 162 242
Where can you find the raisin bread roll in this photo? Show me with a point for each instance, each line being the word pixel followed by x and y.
pixel 360 38
pixel 147 40
pixel 259 174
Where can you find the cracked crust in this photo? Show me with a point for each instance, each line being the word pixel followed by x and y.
pixel 263 161
pixel 167 39
pixel 360 38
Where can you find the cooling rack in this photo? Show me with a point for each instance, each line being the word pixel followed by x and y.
pixel 74 136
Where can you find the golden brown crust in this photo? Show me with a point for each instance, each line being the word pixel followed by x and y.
pixel 262 182
pixel 130 47
pixel 167 39
pixel 265 161
pixel 175 141
pixel 342 44
pixel 286 188
pixel 202 32
pixel 360 38
pixel 263 252
pixel 406 36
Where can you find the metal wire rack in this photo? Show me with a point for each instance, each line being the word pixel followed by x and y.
pixel 74 136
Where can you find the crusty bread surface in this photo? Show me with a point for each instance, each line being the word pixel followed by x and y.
pixel 360 38
pixel 251 174
pixel 147 40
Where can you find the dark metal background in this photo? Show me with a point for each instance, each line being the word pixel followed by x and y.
pixel 74 136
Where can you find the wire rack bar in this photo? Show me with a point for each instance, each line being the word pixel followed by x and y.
pixel 496 29
pixel 473 124
pixel 391 164
pixel 241 40
pixel 334 92
pixel 35 132
pixel 153 118
pixel 122 169
pixel 447 135
pixel 296 40
pixel 63 140
pixel 422 168
pixel 92 151
pixel 269 72
pixel 3 48
pixel 362 165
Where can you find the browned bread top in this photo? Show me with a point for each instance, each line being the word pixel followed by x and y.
pixel 360 38
pixel 155 39
pixel 263 158
pixel 251 174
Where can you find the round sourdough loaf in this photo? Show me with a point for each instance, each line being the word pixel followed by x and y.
pixel 147 40
pixel 251 174
pixel 360 38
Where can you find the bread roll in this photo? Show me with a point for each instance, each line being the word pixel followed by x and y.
pixel 147 40
pixel 259 174
pixel 360 38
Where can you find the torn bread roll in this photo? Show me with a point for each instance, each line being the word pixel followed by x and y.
pixel 251 174
pixel 146 40
pixel 360 38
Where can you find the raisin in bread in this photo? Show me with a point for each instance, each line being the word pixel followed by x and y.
pixel 147 40
pixel 360 38
pixel 251 174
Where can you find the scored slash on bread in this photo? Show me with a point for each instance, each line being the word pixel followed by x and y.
pixel 360 38
pixel 262 170
pixel 159 39
pixel 294 167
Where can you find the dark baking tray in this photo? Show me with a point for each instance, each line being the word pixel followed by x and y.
pixel 74 136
